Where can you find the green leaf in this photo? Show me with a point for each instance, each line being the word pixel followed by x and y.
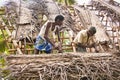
pixel 66 2
pixel 5 73
pixel 2 62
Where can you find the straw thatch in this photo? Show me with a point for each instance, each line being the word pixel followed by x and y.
pixel 67 66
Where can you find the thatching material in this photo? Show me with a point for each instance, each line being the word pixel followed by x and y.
pixel 84 16
pixel 67 66
pixel 28 13
pixel 88 19
pixel 25 15
pixel 114 8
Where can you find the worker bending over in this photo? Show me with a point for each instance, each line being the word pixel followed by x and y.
pixel 84 39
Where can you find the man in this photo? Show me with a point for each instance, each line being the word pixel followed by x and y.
pixel 43 41
pixel 84 39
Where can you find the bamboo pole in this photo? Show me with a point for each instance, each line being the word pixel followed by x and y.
pixel 14 41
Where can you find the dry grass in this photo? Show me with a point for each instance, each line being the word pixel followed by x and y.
pixel 68 66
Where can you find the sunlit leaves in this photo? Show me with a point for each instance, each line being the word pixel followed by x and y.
pixel 66 2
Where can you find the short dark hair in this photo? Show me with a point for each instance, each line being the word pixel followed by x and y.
pixel 92 30
pixel 59 17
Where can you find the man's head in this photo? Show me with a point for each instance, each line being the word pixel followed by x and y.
pixel 91 31
pixel 59 20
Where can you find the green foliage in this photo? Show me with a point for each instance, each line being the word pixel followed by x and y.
pixel 5 20
pixel 70 2
pixel 2 62
pixel 66 42
pixel 5 73
pixel 2 10
pixel 2 44
pixel 67 2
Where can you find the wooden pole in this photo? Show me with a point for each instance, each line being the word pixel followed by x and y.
pixel 14 41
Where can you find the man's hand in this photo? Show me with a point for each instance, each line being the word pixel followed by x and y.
pixel 55 46
pixel 94 46
pixel 91 45
pixel 58 46
pixel 60 50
